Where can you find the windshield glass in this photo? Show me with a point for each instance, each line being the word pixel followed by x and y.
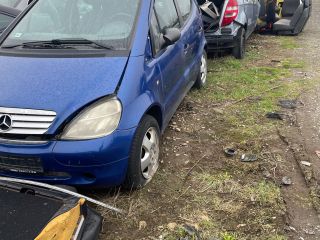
pixel 9 3
pixel 107 22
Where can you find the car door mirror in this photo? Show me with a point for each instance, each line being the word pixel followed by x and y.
pixel 170 36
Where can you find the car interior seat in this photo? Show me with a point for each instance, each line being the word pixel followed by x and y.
pixel 292 11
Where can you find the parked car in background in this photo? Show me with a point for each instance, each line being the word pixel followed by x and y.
pixel 90 86
pixel 229 23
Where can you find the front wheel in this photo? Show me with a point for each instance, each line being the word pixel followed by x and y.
pixel 203 72
pixel 144 155
pixel 240 45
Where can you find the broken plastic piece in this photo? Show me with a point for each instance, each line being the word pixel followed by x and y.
pixel 230 152
pixel 305 163
pixel 286 181
pixel 274 115
pixel 249 158
pixel 289 104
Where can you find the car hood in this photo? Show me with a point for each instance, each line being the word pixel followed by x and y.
pixel 63 85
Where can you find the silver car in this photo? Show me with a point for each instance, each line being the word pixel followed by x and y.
pixel 229 23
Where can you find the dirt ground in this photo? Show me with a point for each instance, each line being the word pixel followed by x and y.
pixel 199 192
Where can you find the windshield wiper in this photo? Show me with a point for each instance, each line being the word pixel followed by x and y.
pixel 80 41
pixel 60 44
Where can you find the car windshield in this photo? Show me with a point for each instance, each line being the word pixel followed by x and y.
pixel 107 23
pixel 9 3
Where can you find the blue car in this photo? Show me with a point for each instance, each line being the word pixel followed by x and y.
pixel 89 86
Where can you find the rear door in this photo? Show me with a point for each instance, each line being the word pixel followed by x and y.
pixel 191 35
pixel 171 60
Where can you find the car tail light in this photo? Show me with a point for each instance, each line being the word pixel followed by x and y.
pixel 231 12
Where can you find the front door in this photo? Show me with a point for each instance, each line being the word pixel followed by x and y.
pixel 171 60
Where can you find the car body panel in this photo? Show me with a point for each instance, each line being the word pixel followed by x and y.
pixel 55 80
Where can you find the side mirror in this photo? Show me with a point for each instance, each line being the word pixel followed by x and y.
pixel 170 36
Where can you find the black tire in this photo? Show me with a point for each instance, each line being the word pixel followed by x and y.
pixel 135 178
pixel 240 44
pixel 200 82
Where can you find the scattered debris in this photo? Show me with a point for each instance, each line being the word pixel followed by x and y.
pixel 305 163
pixel 178 129
pixel 318 154
pixel 189 106
pixel 241 225
pixel 249 158
pixel 192 232
pixel 288 104
pixel 286 181
pixel 218 110
pixel 267 174
pixel 309 231
pixel 230 152
pixel 172 226
pixel 142 225
pixel 274 115
pixel 290 229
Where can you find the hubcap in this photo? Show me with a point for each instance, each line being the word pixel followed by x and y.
pixel 203 69
pixel 150 150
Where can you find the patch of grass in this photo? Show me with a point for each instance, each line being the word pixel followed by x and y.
pixel 266 194
pixel 276 237
pixel 228 236
pixel 289 63
pixel 288 42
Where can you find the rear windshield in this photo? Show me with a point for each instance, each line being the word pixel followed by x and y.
pixel 107 22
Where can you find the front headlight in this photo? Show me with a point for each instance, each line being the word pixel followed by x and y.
pixel 98 120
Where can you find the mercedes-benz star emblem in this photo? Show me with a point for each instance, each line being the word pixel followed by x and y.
pixel 5 123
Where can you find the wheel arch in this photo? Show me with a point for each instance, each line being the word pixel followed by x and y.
pixel 156 111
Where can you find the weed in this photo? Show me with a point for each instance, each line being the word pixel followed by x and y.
pixel 228 236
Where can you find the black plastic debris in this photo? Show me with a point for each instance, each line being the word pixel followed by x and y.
pixel 274 115
pixel 192 233
pixel 288 104
pixel 230 152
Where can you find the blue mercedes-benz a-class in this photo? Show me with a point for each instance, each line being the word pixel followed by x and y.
pixel 88 86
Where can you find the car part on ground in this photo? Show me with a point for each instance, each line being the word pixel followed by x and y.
pixel 229 23
pixel 93 100
pixel 32 210
pixel 230 152
pixel 292 16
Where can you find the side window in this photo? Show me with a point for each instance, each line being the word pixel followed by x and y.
pixel 167 14
pixel 185 8
pixel 155 33
pixel 5 20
